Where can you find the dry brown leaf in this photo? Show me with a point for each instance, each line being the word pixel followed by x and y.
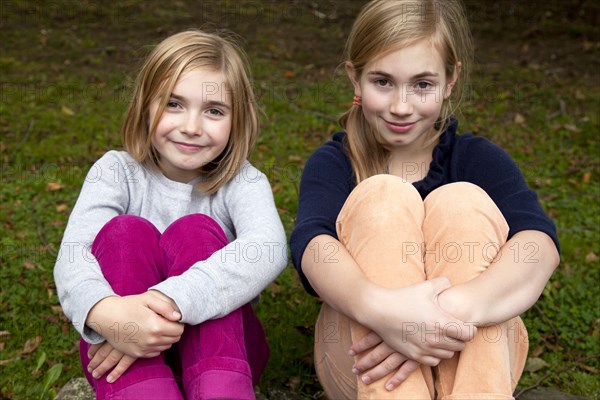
pixel 591 257
pixel 571 128
pixel 535 364
pixel 586 177
pixel 62 207
pixel 67 111
pixel 588 368
pixel 31 345
pixel 53 186
pixel 294 382
pixel 519 119
pixel 288 74
pixel 28 264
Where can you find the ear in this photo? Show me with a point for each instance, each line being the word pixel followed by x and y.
pixel 452 81
pixel 353 78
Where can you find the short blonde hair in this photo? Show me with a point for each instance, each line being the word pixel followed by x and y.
pixel 162 68
pixel 383 26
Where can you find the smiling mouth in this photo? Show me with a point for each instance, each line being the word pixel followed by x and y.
pixel 399 127
pixel 187 147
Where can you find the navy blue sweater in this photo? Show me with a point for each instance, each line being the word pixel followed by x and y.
pixel 328 179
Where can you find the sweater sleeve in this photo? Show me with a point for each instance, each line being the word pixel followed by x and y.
pixel 491 168
pixel 326 183
pixel 236 274
pixel 79 280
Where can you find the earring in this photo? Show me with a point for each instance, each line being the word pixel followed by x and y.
pixel 357 101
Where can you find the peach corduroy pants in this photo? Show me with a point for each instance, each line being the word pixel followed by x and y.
pixel 398 240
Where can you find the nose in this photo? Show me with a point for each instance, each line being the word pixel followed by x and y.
pixel 192 124
pixel 402 101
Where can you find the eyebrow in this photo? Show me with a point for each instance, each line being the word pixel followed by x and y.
pixel 210 103
pixel 417 76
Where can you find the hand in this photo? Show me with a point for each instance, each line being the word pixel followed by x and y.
pixel 104 357
pixel 378 360
pixel 413 324
pixel 141 325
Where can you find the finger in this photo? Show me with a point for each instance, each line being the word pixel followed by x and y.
pixel 459 330
pixel 102 351
pixel 431 361
pixel 367 342
pixel 163 331
pixel 107 364
pixel 436 353
pixel 372 358
pixel 119 370
pixel 402 374
pixel 384 368
pixel 162 307
pixel 93 349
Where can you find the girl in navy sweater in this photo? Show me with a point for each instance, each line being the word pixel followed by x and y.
pixel 424 245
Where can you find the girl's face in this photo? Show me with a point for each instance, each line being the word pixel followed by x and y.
pixel 195 125
pixel 402 94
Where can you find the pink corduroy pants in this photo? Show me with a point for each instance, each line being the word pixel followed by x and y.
pixel 220 358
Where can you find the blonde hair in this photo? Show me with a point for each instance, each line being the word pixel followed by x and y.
pixel 386 25
pixel 175 55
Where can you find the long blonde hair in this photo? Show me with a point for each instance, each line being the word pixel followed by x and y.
pixel 386 25
pixel 175 55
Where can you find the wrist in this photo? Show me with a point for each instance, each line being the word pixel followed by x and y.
pixel 98 318
pixel 368 304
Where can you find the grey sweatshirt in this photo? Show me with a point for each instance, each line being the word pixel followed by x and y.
pixel 233 276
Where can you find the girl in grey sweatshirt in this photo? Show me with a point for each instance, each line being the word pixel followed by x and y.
pixel 171 240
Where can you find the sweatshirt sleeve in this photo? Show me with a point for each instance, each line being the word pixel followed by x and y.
pixel 491 168
pixel 79 280
pixel 236 274
pixel 326 183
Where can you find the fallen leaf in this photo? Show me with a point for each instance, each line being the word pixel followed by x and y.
pixel 571 128
pixel 591 257
pixel 57 309
pixel 6 362
pixel 537 351
pixel 4 333
pixel 295 158
pixel 294 382
pixel 288 74
pixel 62 207
pixel 586 177
pixel 53 186
pixel 67 111
pixel 588 368
pixel 535 364
pixel 28 264
pixel 519 119
pixel 31 345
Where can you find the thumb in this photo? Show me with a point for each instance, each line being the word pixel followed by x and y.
pixel 163 308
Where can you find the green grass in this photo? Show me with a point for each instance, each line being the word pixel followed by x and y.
pixel 66 70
